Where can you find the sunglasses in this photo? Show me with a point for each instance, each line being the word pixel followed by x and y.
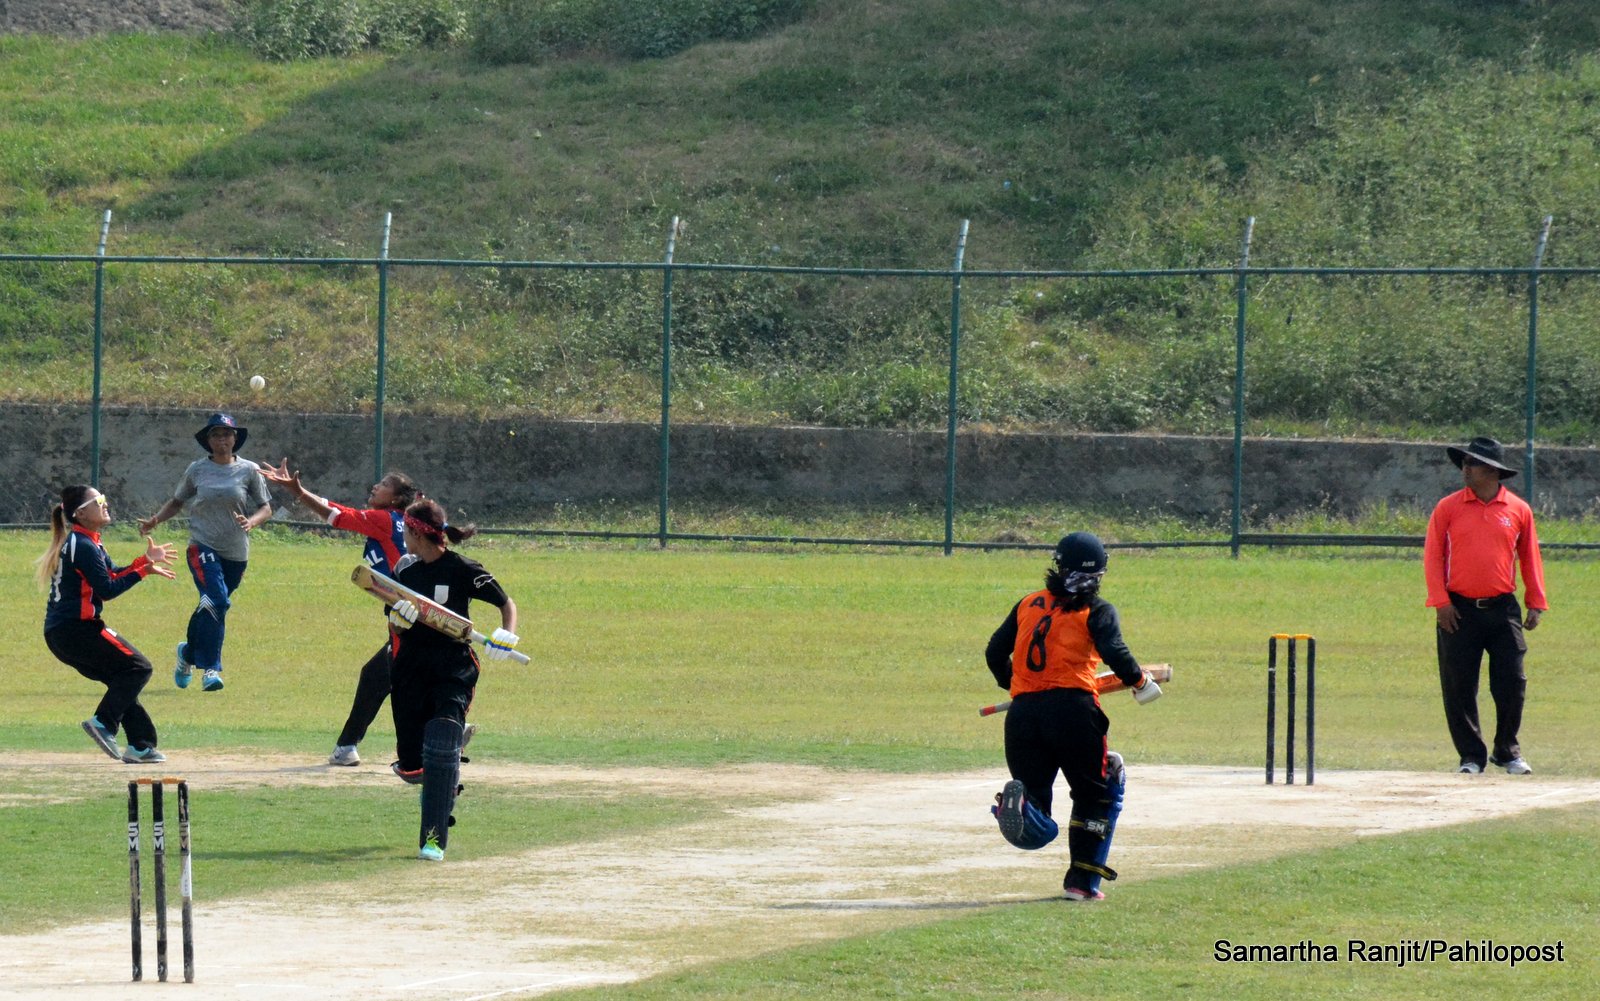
pixel 97 499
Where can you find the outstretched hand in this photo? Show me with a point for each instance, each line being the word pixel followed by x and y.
pixel 281 475
pixel 159 552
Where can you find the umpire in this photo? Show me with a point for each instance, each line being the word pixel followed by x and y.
pixel 1476 539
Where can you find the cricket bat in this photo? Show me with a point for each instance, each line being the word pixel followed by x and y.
pixel 1104 682
pixel 429 612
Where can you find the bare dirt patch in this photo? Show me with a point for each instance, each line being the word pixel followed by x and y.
pixel 79 18
pixel 831 854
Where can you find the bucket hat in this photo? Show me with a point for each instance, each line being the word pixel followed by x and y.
pixel 220 420
pixel 1485 450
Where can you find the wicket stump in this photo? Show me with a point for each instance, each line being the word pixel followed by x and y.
pixel 158 847
pixel 1311 705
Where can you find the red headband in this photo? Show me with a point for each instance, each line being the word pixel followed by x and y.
pixel 424 529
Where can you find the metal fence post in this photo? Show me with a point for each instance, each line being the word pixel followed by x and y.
pixel 955 369
pixel 1533 355
pixel 666 385
pixel 99 350
pixel 1238 389
pixel 383 348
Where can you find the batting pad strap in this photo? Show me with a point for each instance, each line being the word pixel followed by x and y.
pixel 1103 872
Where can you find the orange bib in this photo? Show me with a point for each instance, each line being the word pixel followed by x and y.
pixel 1053 648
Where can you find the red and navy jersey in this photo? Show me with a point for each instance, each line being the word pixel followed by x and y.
pixel 86 579
pixel 384 529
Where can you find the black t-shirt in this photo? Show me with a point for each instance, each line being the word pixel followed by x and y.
pixel 453 581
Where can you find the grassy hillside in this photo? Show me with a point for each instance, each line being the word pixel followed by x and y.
pixel 1131 133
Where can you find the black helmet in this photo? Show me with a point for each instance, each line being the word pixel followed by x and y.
pixel 1080 552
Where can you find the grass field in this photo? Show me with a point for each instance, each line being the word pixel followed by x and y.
pixel 861 663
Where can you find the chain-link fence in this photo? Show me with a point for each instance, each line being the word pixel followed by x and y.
pixel 461 373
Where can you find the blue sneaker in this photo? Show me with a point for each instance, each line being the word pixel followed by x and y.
pixel 143 756
pixel 211 681
pixel 430 850
pixel 184 670
pixel 103 737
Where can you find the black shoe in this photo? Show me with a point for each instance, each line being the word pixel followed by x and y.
pixel 1009 810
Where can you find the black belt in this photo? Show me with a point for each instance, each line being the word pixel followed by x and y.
pixel 1493 602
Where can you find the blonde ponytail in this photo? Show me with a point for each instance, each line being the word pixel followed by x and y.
pixel 45 566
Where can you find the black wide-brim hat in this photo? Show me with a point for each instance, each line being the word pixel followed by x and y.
pixel 1485 450
pixel 220 420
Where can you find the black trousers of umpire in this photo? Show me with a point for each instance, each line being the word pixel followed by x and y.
pixel 99 654
pixel 1492 626
pixel 1062 729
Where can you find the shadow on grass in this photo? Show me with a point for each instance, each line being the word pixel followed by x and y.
pixel 909 905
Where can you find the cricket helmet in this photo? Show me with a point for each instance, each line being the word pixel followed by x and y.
pixel 1080 552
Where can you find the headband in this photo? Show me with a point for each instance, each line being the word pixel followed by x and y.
pixel 424 529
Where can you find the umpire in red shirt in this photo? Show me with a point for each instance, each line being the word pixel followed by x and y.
pixel 1476 539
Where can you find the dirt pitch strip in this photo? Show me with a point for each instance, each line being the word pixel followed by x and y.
pixel 834 854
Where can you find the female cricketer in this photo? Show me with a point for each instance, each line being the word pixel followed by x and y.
pixel 227 498
pixel 381 522
pixel 81 578
pixel 434 674
pixel 1046 653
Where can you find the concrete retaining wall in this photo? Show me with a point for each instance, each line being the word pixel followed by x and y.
pixel 495 471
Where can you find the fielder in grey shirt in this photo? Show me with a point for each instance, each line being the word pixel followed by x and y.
pixel 214 494
pixel 227 497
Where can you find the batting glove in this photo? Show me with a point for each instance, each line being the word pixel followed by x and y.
pixel 1147 690
pixel 402 614
pixel 500 645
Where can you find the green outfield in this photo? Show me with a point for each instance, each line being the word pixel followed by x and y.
pixel 857 663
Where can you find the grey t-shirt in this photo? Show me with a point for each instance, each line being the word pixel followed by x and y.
pixel 213 493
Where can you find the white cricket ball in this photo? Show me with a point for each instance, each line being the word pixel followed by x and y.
pixel 258 383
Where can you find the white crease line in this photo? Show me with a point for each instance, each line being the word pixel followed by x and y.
pixel 439 980
pixel 574 978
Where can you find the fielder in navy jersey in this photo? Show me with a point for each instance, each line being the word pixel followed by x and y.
pixel 81 578
pixel 381 523
pixel 434 674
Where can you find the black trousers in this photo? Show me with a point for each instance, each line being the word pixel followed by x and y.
pixel 1062 729
pixel 371 689
pixel 99 654
pixel 1495 629
pixel 429 682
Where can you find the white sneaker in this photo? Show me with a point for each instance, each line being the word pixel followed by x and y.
pixel 345 754
pixel 1469 768
pixel 1516 766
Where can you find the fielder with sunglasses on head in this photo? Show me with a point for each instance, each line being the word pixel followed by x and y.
pixel 1477 537
pixel 81 578
pixel 1047 652
pixel 227 498
pixel 434 674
